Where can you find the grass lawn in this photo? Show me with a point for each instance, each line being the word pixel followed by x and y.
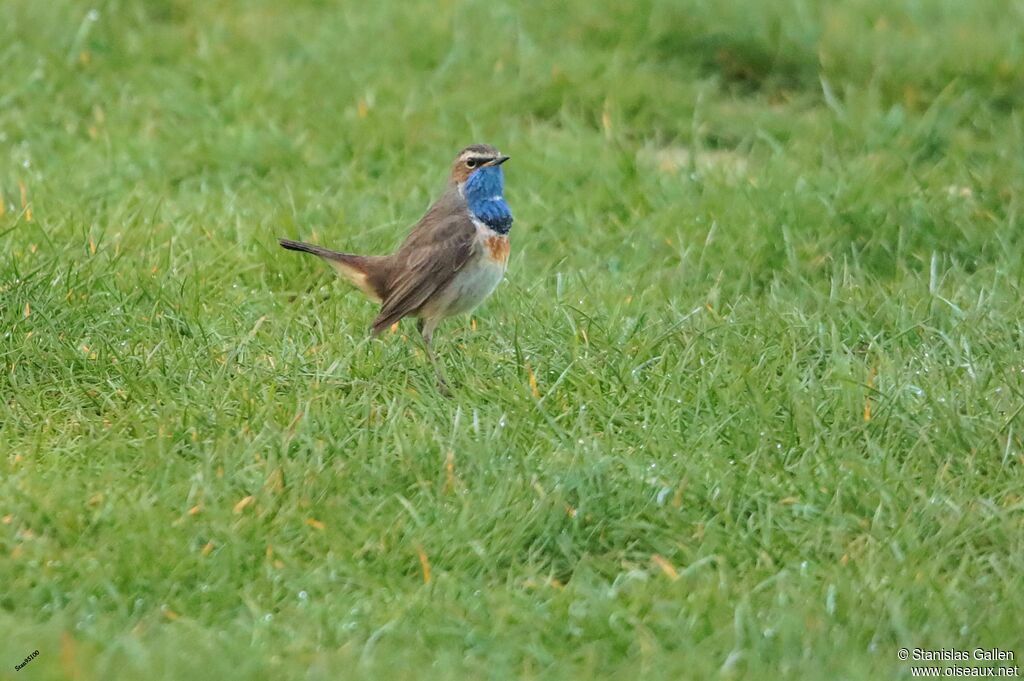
pixel 749 404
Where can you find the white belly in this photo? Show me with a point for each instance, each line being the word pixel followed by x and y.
pixel 477 279
pixel 471 286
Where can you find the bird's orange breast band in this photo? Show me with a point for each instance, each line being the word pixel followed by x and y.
pixel 498 248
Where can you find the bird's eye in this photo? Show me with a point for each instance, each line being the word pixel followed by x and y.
pixel 471 163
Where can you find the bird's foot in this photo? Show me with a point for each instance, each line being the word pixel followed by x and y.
pixel 442 386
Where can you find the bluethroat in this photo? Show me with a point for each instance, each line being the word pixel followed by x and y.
pixel 450 262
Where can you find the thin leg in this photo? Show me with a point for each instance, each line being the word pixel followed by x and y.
pixel 427 332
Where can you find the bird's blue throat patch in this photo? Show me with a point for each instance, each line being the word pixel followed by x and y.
pixel 484 194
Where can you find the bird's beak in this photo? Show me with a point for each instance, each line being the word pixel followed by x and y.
pixel 498 161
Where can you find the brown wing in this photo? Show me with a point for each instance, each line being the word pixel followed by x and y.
pixel 439 247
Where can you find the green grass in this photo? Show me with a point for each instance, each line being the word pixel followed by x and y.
pixel 766 274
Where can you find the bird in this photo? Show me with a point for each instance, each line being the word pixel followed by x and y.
pixel 452 259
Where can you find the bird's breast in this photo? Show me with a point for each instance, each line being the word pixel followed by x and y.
pixel 471 285
pixel 479 276
pixel 498 248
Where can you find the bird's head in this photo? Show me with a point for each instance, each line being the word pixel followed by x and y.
pixel 474 158
pixel 477 175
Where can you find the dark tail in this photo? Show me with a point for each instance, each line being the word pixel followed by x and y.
pixel 364 272
pixel 311 248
